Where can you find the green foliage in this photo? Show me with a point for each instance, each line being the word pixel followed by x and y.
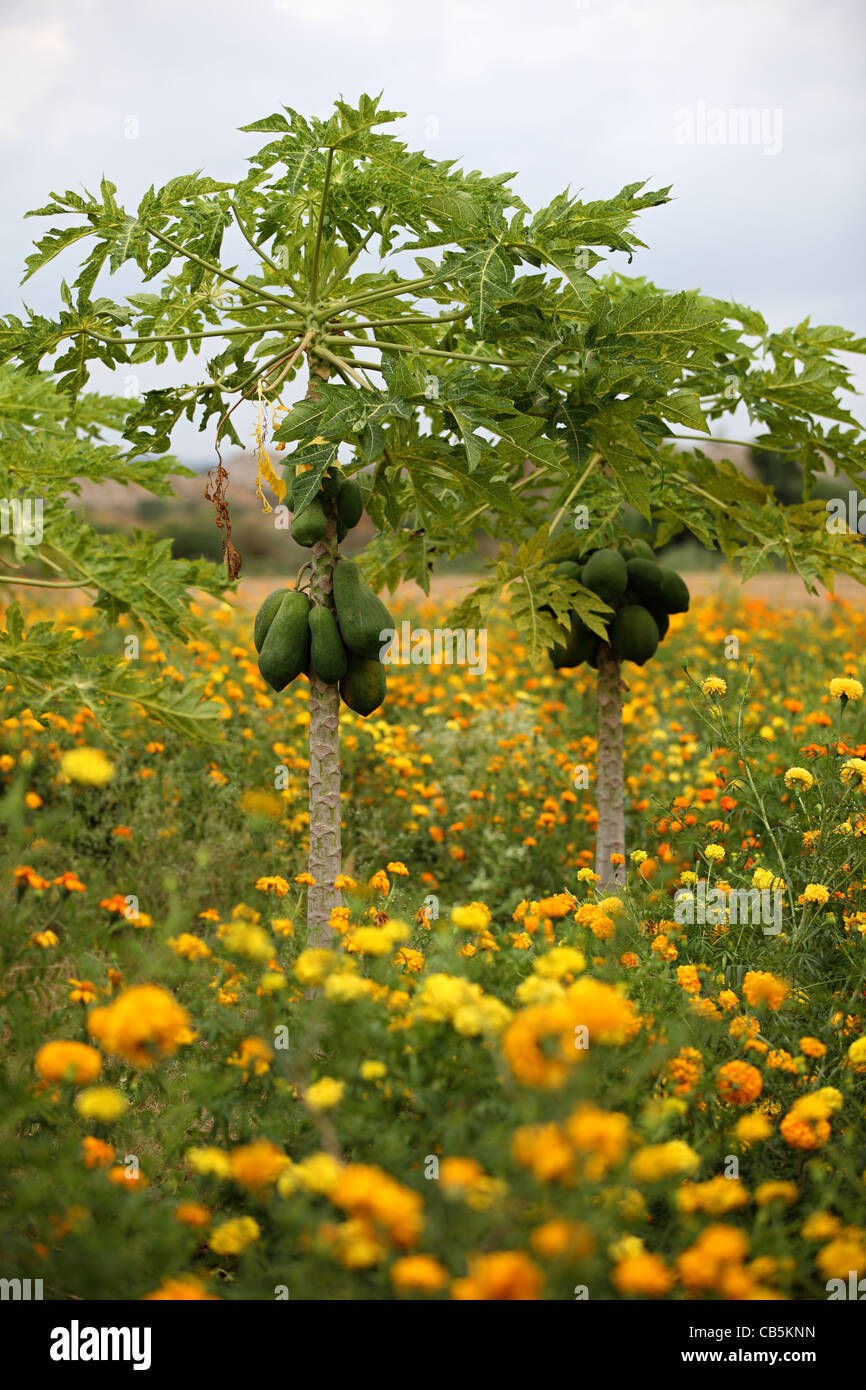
pixel 496 384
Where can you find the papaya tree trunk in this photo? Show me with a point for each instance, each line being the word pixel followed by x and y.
pixel 610 837
pixel 324 860
pixel 325 857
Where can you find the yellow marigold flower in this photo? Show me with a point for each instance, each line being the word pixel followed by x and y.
pixel 209 1162
pixel 638 856
pixel 125 1177
pixel 816 893
pixel 282 926
pixel 820 1225
pixel 799 777
pixel 503 1275
pixel 562 960
pixel 713 686
pixel 318 1174
pixel 688 979
pixel 739 1083
pixel 812 1047
pixel 842 1255
pixel 654 1162
pixel 306 880
pixel 379 882
pixel 418 1273
pixel 373 1071
pixel 537 989
pixel 343 988
pixel 96 1153
pixel 853 770
pixel 776 1191
pixel 68 1061
pixel 88 766
pixel 373 1195
pixel 273 883
pixel 192 1214
pixel 845 688
pixel 398 868
pixel 559 1239
pixel 717 1196
pixel 233 1237
pixel 715 852
pixel 185 1288
pixel 643 1274
pixel 857 1052
pixel 473 917
pixel 587 876
pixel 324 1094
pixel 101 1103
pixel 189 947
pixel 753 1128
pixel 242 938
pixel 601 1136
pixel 314 965
pixel 45 939
pixel 271 982
pixel 544 1151
pixel 141 1025
pixel 760 987
pixel 258 1165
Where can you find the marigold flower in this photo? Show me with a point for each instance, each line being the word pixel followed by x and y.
pixel 846 688
pixel 101 1103
pixel 739 1083
pixel 68 1061
pixel 713 686
pixel 88 766
pixel 142 1025
pixel 185 1288
pixel 418 1273
pixel 502 1275
pixel 799 778
pixel 232 1237
pixel 324 1094
pixel 761 987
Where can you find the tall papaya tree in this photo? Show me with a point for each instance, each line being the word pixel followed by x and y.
pixel 461 360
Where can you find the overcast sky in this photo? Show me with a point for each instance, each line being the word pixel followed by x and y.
pixel 588 93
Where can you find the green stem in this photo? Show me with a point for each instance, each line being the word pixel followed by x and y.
pixel 412 322
pixel 288 326
pixel 384 292
pixel 314 278
pixel 341 365
pixel 45 583
pixel 422 351
pixel 258 250
pixel 222 274
pixel 578 485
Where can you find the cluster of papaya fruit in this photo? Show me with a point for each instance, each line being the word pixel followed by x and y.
pixel 642 593
pixel 295 636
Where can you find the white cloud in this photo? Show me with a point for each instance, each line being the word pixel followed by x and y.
pixel 33 60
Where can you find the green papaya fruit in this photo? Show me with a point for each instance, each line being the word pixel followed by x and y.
pixel 662 621
pixel 285 651
pixel 364 686
pixel 266 615
pixel 350 502
pixel 606 574
pixel 311 525
pixel 627 552
pixel 342 531
pixel 361 615
pixel 633 634
pixel 645 581
pixel 570 569
pixel 578 648
pixel 332 481
pixel 675 592
pixel 328 656
pixel 643 550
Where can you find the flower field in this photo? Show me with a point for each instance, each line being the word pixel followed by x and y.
pixel 498 1081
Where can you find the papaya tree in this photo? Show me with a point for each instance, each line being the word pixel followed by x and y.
pixel 464 368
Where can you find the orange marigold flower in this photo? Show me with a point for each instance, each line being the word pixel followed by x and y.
pixel 739 1083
